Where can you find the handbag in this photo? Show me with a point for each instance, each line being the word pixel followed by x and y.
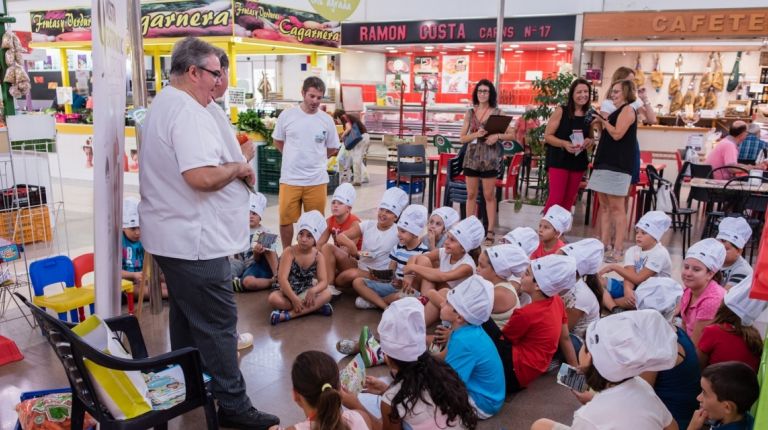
pixel 353 138
pixel 664 198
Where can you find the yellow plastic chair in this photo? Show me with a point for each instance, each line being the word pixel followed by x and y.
pixel 59 269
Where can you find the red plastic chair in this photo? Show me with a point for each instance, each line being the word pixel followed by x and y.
pixel 646 157
pixel 442 175
pixel 513 172
pixel 84 265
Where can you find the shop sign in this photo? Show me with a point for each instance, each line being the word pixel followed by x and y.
pixel 526 29
pixel 62 25
pixel 700 23
pixel 335 10
pixel 276 23
pixel 186 18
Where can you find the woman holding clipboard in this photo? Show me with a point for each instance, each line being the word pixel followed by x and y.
pixel 483 151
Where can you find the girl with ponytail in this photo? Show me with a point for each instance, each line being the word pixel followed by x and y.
pixel 316 390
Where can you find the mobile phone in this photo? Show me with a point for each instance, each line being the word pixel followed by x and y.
pixel 570 377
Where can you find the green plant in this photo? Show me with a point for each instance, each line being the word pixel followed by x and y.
pixel 250 121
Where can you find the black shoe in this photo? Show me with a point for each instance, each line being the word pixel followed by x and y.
pixel 250 419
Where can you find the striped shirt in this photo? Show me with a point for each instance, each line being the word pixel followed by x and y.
pixel 400 254
pixel 736 272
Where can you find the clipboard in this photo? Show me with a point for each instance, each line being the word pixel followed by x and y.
pixel 497 124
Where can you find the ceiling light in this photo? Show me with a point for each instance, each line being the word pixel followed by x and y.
pixel 550 48
pixel 519 51
pixel 360 52
pixel 443 53
pixel 470 46
pixel 514 45
pixel 467 50
pixel 393 51
pixel 561 50
pixel 429 47
pixel 409 53
pixel 481 52
pixel 562 45
pixel 390 48
pixel 508 49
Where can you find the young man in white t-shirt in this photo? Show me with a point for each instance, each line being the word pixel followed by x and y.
pixel 307 137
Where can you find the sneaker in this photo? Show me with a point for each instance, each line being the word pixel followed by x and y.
pixel 348 346
pixel 237 285
pixel 334 291
pixel 361 303
pixel 244 340
pixel 370 349
pixel 250 419
pixel 325 310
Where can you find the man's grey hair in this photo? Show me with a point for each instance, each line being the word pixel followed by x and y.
pixel 189 52
pixel 313 82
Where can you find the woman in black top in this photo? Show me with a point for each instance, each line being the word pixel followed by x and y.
pixel 613 166
pixel 566 161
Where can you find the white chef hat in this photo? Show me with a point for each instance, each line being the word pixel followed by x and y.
pixel 413 219
pixel 130 213
pixel 394 200
pixel 659 293
pixel 473 299
pixel 738 301
pixel 508 260
pixel 257 203
pixel 314 223
pixel 588 254
pixel 560 218
pixel 524 237
pixel 709 251
pixel 449 216
pixel 735 230
pixel 655 223
pixel 402 331
pixel 627 344
pixel 345 194
pixel 469 232
pixel 554 273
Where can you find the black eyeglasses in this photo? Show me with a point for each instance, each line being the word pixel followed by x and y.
pixel 216 73
pixel 483 91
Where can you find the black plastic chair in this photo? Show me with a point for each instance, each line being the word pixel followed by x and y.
pixel 72 351
pixel 412 170
pixel 692 170
pixel 681 217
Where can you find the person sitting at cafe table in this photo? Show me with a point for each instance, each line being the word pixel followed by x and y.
pixel 726 152
pixel 752 145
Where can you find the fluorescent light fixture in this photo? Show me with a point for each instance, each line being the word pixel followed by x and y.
pixel 390 47
pixel 519 51
pixel 429 47
pixel 467 50
pixel 550 48
pixel 561 50
pixel 514 45
pixel 443 52
pixel 392 51
pixel 470 46
pixel 562 45
pixel 481 52
pixel 508 49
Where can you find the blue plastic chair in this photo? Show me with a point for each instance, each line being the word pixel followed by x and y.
pixel 59 269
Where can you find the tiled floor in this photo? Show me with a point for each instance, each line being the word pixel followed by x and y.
pixel 266 367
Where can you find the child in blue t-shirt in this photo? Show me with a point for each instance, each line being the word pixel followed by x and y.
pixel 469 351
pixel 728 390
pixel 132 249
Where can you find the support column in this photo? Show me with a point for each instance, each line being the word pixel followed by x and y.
pixel 232 53
pixel 158 70
pixel 499 39
pixel 65 75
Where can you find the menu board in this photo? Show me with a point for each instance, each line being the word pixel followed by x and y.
pixel 455 74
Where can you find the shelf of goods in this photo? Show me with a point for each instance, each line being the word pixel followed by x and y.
pixel 269 163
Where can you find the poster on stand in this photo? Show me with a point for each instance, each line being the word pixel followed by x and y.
pixel 455 74
pixel 398 67
pixel 110 36
pixel 269 22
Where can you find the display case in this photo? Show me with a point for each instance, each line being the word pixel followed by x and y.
pixel 445 120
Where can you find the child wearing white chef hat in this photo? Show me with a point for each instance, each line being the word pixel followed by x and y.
pixel 524 237
pixel 337 258
pixel 703 294
pixel 647 258
pixel 440 222
pixel 446 267
pixel 552 226
pixel 303 282
pixel 582 302
pixel 618 349
pixel 255 268
pixel 420 379
pixel 731 336
pixel 734 233
pixel 376 239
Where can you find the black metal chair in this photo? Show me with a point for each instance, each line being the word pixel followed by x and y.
pixel 72 351
pixel 681 217
pixel 692 170
pixel 414 169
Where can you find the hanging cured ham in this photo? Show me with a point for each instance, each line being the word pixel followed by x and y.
pixel 690 95
pixel 718 82
pixel 674 83
pixel 706 78
pixel 639 75
pixel 657 78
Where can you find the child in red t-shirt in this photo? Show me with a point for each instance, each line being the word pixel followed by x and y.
pixel 556 222
pixel 337 258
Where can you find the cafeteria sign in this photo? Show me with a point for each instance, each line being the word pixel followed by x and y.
pixel 335 10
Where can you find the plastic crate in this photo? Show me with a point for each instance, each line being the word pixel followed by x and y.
pixel 333 182
pixel 270 159
pixel 269 182
pixel 418 186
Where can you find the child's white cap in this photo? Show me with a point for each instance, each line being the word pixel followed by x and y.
pixel 449 216
pixel 554 273
pixel 560 218
pixel 738 301
pixel 394 200
pixel 735 230
pixel 709 251
pixel 314 223
pixel 257 203
pixel 659 293
pixel 414 219
pixel 524 237
pixel 655 223
pixel 469 232
pixel 588 254
pixel 345 194
pixel 473 299
pixel 402 330
pixel 130 213
pixel 508 260
pixel 630 343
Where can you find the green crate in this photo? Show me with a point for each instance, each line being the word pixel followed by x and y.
pixel 269 182
pixel 270 159
pixel 40 145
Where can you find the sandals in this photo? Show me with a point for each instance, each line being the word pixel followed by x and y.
pixel 279 316
pixel 490 238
